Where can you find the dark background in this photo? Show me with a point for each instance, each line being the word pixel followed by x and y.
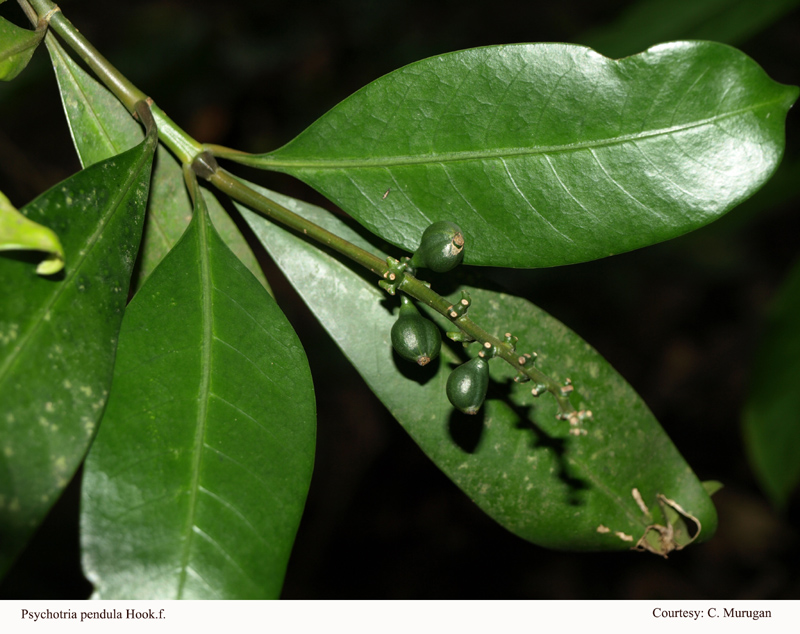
pixel 680 321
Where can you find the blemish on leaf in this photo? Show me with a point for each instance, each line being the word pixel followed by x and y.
pixel 623 536
pixel 681 530
pixel 10 335
pixel 639 501
pixel 603 529
pixel 86 389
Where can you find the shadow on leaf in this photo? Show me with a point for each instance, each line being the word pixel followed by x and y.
pixel 466 429
pixel 542 440
pixel 421 374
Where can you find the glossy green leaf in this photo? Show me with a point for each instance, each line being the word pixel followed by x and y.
pixel 515 460
pixel 548 154
pixel 649 21
pixel 196 483
pixel 101 127
pixel 16 48
pixel 17 232
pixel 771 424
pixel 58 335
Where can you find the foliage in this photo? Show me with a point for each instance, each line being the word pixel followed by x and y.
pixel 543 154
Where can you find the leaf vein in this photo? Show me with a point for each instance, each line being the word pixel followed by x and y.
pixel 255 476
pixel 224 552
pixel 256 421
pixel 236 512
pixel 625 191
pixel 525 198
pixel 246 358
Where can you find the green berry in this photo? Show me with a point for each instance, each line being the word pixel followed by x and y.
pixel 467 385
pixel 414 337
pixel 441 248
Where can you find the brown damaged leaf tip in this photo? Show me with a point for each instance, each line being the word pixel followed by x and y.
pixel 681 530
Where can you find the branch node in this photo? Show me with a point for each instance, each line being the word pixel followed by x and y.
pixel 459 309
pixel 205 165
pixel 488 350
pixel 393 277
pixel 459 335
pixel 539 389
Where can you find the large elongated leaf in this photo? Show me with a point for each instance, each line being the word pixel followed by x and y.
pixel 515 460
pixel 548 154
pixel 196 483
pixel 770 423
pixel 101 127
pixel 58 335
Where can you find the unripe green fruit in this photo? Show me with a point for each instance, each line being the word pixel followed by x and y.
pixel 414 337
pixel 441 248
pixel 467 385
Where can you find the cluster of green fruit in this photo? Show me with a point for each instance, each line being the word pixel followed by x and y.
pixel 418 339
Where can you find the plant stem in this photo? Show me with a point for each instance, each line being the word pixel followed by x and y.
pixel 227 183
pixel 190 152
pixel 125 91
pixel 420 291
pixel 184 146
pixel 237 190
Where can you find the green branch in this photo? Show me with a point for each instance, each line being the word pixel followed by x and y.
pixel 395 275
pixel 181 144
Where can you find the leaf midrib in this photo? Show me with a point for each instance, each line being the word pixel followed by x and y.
pixel 267 160
pixel 203 389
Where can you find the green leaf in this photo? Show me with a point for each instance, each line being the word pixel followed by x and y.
pixel 101 127
pixel 196 483
pixel 17 232
pixel 515 460
pixel 770 420
pixel 58 336
pixel 547 154
pixel 16 48
pixel 649 21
